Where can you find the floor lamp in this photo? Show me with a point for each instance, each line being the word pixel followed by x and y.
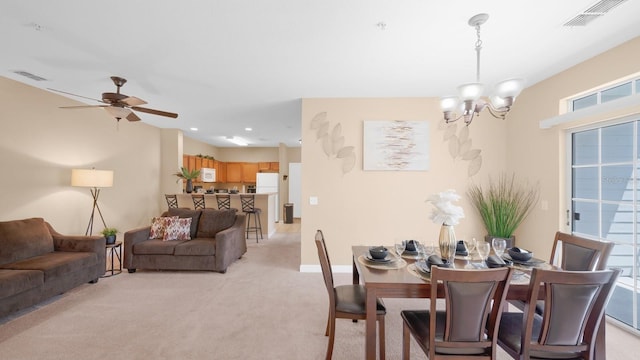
pixel 95 180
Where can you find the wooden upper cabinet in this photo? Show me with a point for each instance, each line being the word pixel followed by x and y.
pixel 234 172
pixel 274 166
pixel 249 171
pixel 221 171
pixel 191 163
pixel 198 163
pixel 262 166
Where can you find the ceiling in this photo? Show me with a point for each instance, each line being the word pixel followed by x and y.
pixel 226 65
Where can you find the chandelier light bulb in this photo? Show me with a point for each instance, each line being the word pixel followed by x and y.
pixel 509 88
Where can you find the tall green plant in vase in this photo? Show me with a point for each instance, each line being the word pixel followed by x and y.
pixel 503 205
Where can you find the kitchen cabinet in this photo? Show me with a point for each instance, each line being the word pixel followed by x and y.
pixel 234 172
pixel 274 166
pixel 221 171
pixel 264 166
pixel 249 171
pixel 198 163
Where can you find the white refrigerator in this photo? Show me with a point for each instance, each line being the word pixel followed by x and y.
pixel 268 183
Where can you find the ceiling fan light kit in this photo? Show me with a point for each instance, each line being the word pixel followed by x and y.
pixel 470 101
pixel 119 105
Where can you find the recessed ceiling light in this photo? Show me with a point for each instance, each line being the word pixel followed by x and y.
pixel 193 129
pixel 248 129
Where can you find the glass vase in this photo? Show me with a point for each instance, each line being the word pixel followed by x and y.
pixel 447 242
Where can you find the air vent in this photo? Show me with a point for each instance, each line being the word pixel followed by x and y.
pixel 593 12
pixel 30 75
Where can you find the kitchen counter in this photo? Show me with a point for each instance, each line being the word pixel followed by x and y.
pixel 265 202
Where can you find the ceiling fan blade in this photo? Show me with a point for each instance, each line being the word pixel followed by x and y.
pixel 155 112
pixel 68 93
pixel 83 106
pixel 133 101
pixel 133 117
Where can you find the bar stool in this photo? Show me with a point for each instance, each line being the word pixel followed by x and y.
pixel 224 201
pixel 198 201
pixel 172 200
pixel 249 209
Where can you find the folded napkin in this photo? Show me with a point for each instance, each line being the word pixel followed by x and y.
pixel 410 245
pixel 461 249
pixel 435 260
pixel 494 261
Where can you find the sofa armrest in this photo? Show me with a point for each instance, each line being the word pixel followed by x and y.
pixel 131 238
pixel 80 243
pixel 231 243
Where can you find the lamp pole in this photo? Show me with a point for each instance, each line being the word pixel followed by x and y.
pixel 95 192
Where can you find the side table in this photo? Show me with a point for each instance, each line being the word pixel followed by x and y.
pixel 113 251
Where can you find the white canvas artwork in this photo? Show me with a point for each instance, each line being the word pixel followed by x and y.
pixel 396 145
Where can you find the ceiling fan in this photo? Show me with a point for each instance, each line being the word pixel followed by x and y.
pixel 119 105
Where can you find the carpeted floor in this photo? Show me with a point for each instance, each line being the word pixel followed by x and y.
pixel 262 308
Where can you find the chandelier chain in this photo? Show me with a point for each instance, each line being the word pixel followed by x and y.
pixel 478 49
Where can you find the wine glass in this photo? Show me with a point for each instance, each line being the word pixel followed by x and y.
pixel 470 245
pixel 499 246
pixel 483 250
pixel 429 249
pixel 419 250
pixel 400 246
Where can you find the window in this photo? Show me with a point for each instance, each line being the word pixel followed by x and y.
pixel 605 95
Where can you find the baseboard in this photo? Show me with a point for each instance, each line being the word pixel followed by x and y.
pixel 336 269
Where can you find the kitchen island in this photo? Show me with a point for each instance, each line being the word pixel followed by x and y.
pixel 265 202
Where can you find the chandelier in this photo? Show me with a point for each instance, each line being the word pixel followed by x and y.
pixel 469 100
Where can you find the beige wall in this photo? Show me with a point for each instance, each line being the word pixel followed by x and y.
pixel 378 207
pixel 41 143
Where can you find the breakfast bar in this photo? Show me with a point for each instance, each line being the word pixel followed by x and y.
pixel 266 202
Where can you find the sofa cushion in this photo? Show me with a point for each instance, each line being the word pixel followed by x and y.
pixel 185 213
pixel 212 221
pixel 56 264
pixel 156 247
pixel 22 239
pixel 178 229
pixel 14 282
pixel 196 247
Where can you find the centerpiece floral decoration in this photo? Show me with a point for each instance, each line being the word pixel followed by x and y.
pixel 447 214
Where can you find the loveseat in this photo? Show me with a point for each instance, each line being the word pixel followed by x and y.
pixel 36 262
pixel 216 238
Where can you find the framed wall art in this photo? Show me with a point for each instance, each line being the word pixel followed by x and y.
pixel 396 145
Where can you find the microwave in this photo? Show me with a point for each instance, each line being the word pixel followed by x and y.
pixel 207 175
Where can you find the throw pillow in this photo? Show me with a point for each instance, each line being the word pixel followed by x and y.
pixel 158 226
pixel 187 213
pixel 178 229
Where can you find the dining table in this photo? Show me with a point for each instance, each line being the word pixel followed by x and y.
pixel 399 279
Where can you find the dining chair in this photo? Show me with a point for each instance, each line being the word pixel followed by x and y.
pixel 345 301
pixel 248 207
pixel 198 201
pixel 575 253
pixel 172 200
pixel 467 328
pixel 574 307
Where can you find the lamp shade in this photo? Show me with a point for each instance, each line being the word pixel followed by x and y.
pixel 92 178
pixel 470 91
pixel 449 103
pixel 509 88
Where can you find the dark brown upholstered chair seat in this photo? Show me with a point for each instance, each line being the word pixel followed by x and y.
pixel 467 328
pixel 567 328
pixel 345 301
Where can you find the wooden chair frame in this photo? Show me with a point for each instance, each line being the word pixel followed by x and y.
pixel 596 252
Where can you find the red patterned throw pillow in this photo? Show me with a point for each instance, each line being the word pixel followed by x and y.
pixel 158 226
pixel 178 229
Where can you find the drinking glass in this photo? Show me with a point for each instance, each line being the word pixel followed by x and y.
pixel 400 246
pixel 483 250
pixel 470 245
pixel 419 250
pixel 429 249
pixel 499 246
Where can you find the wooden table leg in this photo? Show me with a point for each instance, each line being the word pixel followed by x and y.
pixel 355 273
pixel 370 333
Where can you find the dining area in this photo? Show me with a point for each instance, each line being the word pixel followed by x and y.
pixel 484 298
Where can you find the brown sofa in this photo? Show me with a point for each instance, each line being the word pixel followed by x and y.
pixel 36 262
pixel 217 240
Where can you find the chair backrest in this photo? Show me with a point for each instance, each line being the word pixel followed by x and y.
pixel 247 202
pixel 325 265
pixel 198 201
pixel 574 306
pixel 172 201
pixel 224 202
pixel 474 300
pixel 576 253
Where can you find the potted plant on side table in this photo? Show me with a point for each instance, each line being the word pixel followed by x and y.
pixel 110 234
pixel 189 175
pixel 503 205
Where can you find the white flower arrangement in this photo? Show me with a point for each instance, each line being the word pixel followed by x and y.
pixel 444 212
